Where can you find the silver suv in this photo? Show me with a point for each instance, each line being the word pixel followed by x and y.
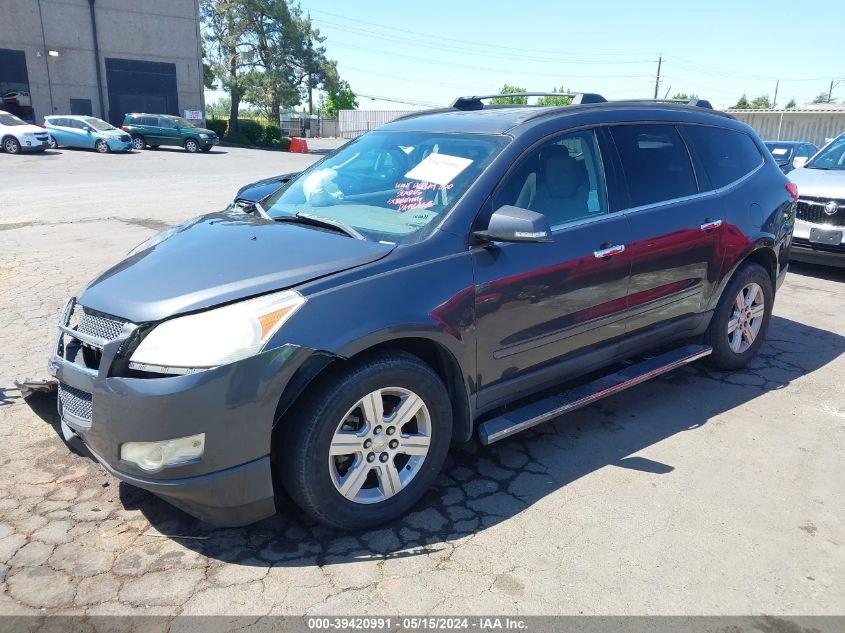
pixel 820 223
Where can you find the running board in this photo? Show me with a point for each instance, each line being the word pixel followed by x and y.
pixel 535 413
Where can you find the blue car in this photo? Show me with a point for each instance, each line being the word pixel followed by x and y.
pixel 88 132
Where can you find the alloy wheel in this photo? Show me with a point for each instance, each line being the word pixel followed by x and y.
pixel 380 445
pixel 191 145
pixel 11 146
pixel 102 147
pixel 52 144
pixel 746 318
pixel 138 142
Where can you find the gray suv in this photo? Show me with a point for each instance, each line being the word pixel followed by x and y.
pixel 820 220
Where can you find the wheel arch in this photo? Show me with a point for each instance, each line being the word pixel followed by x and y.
pixel 322 364
pixel 762 252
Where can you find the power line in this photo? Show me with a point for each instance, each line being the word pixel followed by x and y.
pixel 474 43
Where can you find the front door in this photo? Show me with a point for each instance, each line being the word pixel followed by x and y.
pixel 674 231
pixel 167 132
pixel 539 306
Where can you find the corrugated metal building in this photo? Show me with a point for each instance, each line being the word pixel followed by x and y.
pixel 803 124
pixel 354 123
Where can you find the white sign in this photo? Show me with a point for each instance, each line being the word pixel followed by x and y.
pixel 193 115
pixel 441 169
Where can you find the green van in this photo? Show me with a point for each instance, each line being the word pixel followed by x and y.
pixel 165 129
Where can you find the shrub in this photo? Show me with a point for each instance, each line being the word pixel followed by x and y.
pixel 218 126
pixel 272 134
pixel 253 130
pixel 285 143
pixel 238 138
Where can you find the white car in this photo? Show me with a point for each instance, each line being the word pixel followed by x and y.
pixel 17 136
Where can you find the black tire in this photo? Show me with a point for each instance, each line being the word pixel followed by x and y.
pixel 139 142
pixel 192 146
pixel 11 145
pixel 724 357
pixel 206 149
pixel 154 146
pixel 302 444
pixel 52 144
pixel 102 147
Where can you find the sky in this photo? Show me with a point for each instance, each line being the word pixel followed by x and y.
pixel 401 55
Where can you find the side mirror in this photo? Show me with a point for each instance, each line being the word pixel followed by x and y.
pixel 514 224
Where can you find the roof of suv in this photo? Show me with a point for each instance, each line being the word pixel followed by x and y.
pixel 498 119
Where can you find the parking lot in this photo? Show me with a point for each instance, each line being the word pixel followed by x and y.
pixel 695 493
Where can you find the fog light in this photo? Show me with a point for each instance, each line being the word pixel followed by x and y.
pixel 153 456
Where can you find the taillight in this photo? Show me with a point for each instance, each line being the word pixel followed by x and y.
pixel 44 125
pixel 123 127
pixel 792 188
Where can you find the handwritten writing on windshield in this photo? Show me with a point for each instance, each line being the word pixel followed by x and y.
pixel 409 195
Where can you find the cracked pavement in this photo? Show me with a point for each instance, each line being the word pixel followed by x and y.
pixel 696 493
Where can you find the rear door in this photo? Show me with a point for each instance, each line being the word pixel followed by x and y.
pixel 675 232
pixel 540 305
pixel 61 131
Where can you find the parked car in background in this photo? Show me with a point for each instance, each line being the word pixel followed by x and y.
pixel 791 154
pixel 154 130
pixel 248 195
pixel 18 136
pixel 820 221
pixel 87 132
pixel 428 282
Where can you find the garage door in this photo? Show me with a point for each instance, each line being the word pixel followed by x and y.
pixel 140 86
pixel 14 85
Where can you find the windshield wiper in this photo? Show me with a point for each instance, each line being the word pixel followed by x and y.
pixel 315 220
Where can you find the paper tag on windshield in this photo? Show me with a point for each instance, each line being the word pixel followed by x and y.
pixel 441 169
pixel 779 151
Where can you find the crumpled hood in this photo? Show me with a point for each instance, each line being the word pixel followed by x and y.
pixel 219 258
pixel 260 189
pixel 820 183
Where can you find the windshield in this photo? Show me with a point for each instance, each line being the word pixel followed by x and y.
pixel 831 157
pixel 183 122
pixel 10 119
pixel 99 124
pixel 389 186
pixel 782 152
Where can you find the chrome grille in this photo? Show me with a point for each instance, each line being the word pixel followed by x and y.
pixel 93 323
pixel 811 209
pixel 75 402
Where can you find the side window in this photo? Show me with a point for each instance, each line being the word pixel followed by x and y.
pixel 166 123
pixel 77 124
pixel 150 121
pixel 656 163
pixel 727 155
pixel 804 151
pixel 563 179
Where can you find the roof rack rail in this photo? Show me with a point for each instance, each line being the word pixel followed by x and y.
pixel 699 103
pixel 474 102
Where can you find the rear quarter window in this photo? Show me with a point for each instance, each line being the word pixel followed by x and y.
pixel 726 155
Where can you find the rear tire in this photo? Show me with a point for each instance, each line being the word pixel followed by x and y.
pixel 741 318
pixel 138 142
pixel 11 145
pixel 366 442
pixel 52 144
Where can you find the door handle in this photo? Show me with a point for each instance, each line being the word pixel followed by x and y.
pixel 609 251
pixel 709 224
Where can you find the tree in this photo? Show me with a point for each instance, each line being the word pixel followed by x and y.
pixel 338 97
pixel 791 105
pixel 555 101
pixel 230 55
pixel 507 89
pixel 683 96
pixel 823 98
pixel 207 72
pixel 219 108
pixel 742 104
pixel 761 103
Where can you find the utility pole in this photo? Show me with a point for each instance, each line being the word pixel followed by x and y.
pixel 830 92
pixel 775 100
pixel 657 81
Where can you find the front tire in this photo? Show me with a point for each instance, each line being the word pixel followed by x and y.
pixel 102 147
pixel 138 142
pixel 11 145
pixel 191 146
pixel 741 318
pixel 367 442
